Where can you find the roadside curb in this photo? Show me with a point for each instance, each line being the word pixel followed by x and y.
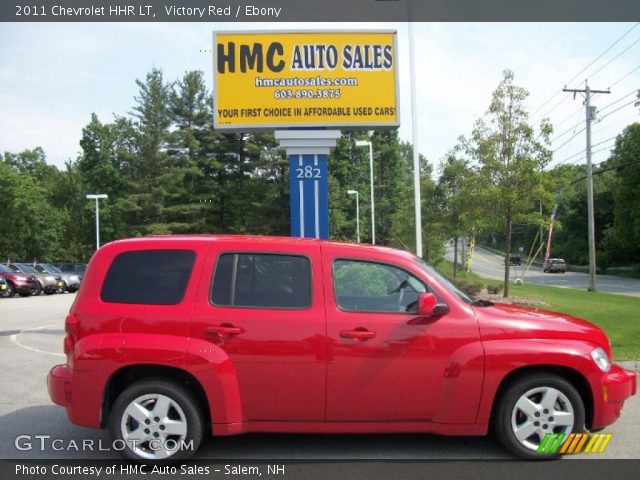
pixel 630 364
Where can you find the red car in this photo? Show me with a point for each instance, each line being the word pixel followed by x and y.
pixel 21 283
pixel 170 336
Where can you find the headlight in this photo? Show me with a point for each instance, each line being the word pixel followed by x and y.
pixel 602 360
pixel 20 278
pixel 50 279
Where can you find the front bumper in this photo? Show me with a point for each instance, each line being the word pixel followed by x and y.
pixel 615 387
pixel 24 288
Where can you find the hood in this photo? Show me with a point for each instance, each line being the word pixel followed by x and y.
pixel 502 321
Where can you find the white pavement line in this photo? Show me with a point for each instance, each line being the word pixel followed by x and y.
pixel 14 340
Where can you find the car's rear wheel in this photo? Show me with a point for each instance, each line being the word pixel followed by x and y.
pixel 534 407
pixel 157 420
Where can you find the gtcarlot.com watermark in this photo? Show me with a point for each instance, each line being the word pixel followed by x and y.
pixel 46 443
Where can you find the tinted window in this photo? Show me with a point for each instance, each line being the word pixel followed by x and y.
pixel 262 280
pixel 155 277
pixel 374 287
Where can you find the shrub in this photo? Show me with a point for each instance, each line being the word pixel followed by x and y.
pixel 469 287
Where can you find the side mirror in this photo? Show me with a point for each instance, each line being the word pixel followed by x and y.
pixel 426 303
pixel 428 306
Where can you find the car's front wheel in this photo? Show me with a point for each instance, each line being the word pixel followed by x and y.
pixel 533 409
pixel 157 420
pixel 9 291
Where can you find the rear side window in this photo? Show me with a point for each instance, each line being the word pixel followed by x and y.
pixel 262 280
pixel 152 277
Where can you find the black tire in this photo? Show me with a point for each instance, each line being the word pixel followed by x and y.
pixel 505 411
pixel 37 291
pixel 10 291
pixel 188 411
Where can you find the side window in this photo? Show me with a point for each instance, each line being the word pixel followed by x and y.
pixel 150 277
pixel 262 280
pixel 361 286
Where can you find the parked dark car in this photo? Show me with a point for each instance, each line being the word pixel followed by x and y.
pixel 515 259
pixel 18 282
pixel 47 283
pixel 76 268
pixel 71 280
pixel 555 265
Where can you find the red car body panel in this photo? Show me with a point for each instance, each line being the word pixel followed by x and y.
pixel 292 370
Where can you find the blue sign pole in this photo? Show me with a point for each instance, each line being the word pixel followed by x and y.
pixel 307 151
pixel 309 196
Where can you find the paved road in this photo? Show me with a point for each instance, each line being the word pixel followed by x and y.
pixel 31 333
pixel 489 265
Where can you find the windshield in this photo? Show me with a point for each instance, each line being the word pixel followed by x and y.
pixel 5 269
pixel 50 268
pixel 27 268
pixel 463 296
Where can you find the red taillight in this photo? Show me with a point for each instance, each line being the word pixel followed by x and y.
pixel 68 345
pixel 71 327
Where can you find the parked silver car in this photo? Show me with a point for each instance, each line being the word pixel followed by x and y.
pixel 71 280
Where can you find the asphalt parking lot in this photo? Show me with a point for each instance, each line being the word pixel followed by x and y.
pixel 31 334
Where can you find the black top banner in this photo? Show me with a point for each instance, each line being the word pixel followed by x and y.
pixel 319 10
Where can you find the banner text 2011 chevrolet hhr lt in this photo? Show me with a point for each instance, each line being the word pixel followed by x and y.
pixel 173 335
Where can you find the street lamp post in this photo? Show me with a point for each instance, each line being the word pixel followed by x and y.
pixel 355 192
pixel 97 198
pixel 367 143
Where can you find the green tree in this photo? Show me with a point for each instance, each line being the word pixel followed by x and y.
pixel 455 193
pixel 511 158
pixel 626 196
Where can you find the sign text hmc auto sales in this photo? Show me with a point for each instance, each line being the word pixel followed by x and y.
pixel 305 79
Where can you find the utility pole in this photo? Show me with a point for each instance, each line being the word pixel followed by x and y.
pixel 541 232
pixel 590 116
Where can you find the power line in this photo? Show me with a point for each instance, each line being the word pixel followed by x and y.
pixel 579 110
pixel 593 153
pixel 572 137
pixel 555 106
pixel 585 69
pixel 560 135
pixel 617 109
pixel 617 56
pixel 624 76
pixel 603 53
pixel 635 90
pixel 605 141
pixel 626 164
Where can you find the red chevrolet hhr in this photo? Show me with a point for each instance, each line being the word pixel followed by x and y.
pixel 172 335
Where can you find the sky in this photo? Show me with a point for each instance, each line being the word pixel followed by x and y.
pixel 54 75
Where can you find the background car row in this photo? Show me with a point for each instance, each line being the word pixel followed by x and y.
pixel 26 279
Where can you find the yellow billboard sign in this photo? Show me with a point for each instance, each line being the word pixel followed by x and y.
pixel 305 79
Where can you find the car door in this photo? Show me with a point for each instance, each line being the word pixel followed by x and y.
pixel 385 363
pixel 264 308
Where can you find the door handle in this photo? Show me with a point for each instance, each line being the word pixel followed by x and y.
pixel 358 333
pixel 223 330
